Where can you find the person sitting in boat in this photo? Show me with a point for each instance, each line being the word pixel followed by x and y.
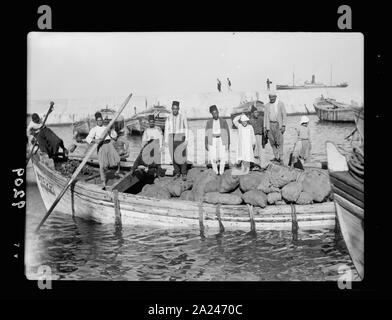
pixel 246 141
pixel 303 144
pixel 46 139
pixel 217 140
pixel 121 144
pixel 152 144
pixel 107 154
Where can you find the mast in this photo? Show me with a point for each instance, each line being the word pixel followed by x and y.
pixel 330 78
pixel 293 76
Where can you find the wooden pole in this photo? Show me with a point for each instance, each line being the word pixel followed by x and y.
pixel 87 156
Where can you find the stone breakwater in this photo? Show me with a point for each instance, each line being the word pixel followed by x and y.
pixel 193 105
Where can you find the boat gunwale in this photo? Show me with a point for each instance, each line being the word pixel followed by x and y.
pixel 93 192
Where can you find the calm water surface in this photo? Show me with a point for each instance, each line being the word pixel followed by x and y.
pixel 81 250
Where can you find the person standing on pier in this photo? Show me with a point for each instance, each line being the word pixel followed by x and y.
pixel 228 84
pixel 217 140
pixel 275 125
pixel 219 85
pixel 176 138
pixel 268 83
pixel 107 154
pixel 257 122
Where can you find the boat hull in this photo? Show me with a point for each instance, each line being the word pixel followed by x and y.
pixel 348 196
pixel 334 115
pixel 350 218
pixel 88 201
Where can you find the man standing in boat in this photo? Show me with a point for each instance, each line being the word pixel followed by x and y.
pixel 275 125
pixel 46 139
pixel 217 140
pixel 257 122
pixel 107 154
pixel 176 134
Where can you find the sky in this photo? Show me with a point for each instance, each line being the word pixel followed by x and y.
pixel 90 65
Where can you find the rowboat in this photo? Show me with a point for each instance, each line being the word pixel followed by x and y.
pixel 331 110
pixel 115 205
pixel 348 196
pixel 139 122
pixel 245 108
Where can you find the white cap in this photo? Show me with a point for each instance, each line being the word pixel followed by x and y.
pixel 244 118
pixel 272 93
pixel 304 119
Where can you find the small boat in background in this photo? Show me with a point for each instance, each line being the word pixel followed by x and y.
pixel 331 110
pixel 245 108
pixel 139 122
pixel 82 128
pixel 347 183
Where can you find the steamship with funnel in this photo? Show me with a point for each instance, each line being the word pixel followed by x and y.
pixel 310 85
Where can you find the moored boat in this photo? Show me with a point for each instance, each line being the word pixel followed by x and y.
pixel 87 200
pixel 331 110
pixel 139 122
pixel 348 191
pixel 82 128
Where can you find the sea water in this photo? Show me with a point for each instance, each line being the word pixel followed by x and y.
pixel 75 249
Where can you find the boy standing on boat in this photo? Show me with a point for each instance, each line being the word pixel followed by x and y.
pixel 246 141
pixel 257 122
pixel 275 125
pixel 217 140
pixel 176 134
pixel 107 154
pixel 303 145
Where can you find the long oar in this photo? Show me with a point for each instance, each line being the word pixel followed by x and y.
pixel 43 124
pixel 85 159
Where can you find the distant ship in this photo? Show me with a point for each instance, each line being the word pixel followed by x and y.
pixel 310 85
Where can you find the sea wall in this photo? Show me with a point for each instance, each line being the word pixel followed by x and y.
pixel 193 105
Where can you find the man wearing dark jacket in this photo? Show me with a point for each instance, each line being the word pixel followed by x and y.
pixel 217 140
pixel 257 122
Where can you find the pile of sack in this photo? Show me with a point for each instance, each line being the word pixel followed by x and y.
pixel 273 186
pixel 68 167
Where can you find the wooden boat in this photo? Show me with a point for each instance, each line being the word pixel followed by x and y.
pixel 349 201
pixel 85 199
pixel 331 110
pixel 245 108
pixel 139 122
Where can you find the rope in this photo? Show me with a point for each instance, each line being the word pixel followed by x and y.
pixel 201 219
pixel 218 215
pixel 294 222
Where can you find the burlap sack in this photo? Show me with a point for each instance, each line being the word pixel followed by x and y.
pixel 316 183
pixel 222 198
pixel 207 181
pixel 155 192
pixel 228 182
pixel 187 195
pixel 255 198
pixel 291 191
pixel 273 197
pixel 304 198
pixel 252 180
pixel 279 176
